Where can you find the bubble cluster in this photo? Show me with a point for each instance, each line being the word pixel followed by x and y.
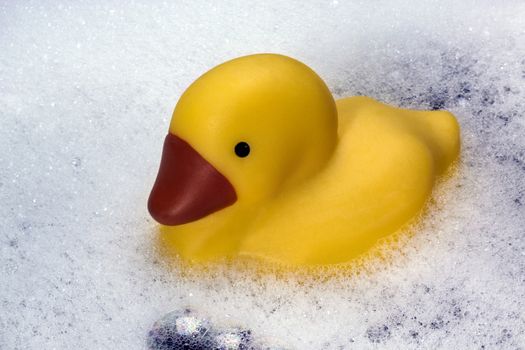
pixel 179 330
pixel 187 330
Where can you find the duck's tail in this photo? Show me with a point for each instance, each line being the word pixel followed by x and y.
pixel 442 130
pixel 439 130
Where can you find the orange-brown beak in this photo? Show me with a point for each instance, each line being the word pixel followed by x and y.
pixel 187 187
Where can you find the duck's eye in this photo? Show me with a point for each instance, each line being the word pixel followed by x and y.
pixel 242 149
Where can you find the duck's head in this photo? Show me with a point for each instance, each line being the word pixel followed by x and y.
pixel 241 133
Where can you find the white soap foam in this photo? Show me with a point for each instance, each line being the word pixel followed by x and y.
pixel 86 93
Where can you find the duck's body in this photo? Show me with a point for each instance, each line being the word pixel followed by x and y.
pixel 380 175
pixel 368 173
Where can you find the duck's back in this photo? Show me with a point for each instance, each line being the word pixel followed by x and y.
pixel 379 177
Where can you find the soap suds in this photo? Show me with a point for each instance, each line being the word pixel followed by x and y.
pixel 86 94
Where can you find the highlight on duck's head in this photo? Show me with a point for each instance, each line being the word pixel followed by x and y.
pixel 242 132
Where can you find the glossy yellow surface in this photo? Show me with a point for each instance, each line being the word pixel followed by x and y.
pixel 324 181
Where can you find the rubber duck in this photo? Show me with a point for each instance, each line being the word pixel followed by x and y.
pixel 261 162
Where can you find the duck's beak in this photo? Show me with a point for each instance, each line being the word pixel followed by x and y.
pixel 187 187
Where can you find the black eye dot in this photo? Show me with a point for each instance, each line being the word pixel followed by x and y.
pixel 242 149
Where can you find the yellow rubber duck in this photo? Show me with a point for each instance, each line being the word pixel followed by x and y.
pixel 260 161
